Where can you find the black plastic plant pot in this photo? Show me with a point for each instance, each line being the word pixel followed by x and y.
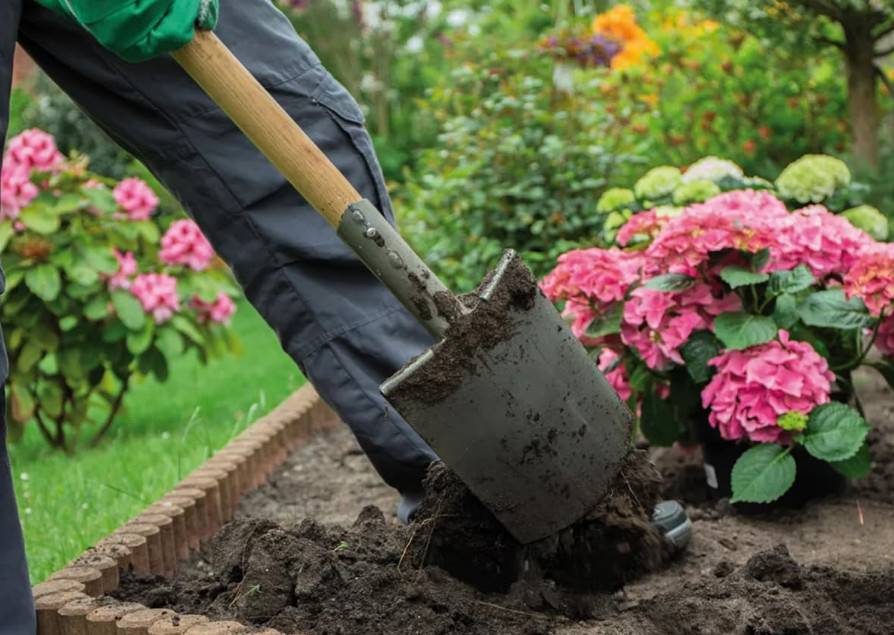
pixel 814 478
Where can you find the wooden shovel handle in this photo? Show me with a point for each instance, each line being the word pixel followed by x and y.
pixel 223 77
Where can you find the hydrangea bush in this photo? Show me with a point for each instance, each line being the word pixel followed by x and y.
pixel 813 178
pixel 739 312
pixel 97 290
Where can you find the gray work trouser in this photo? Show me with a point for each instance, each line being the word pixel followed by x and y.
pixel 344 330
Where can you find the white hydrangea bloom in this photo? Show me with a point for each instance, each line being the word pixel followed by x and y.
pixel 712 169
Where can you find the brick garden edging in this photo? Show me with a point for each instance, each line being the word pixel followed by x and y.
pixel 173 528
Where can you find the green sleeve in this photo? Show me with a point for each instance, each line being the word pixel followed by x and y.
pixel 138 30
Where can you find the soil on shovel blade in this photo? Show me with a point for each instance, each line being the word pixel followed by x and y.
pixel 318 550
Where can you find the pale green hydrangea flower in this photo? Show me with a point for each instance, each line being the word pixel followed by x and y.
pixel 658 182
pixel 712 169
pixel 615 199
pixel 813 178
pixel 792 421
pixel 869 219
pixel 695 192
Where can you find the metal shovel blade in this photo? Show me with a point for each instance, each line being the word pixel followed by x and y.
pixel 532 428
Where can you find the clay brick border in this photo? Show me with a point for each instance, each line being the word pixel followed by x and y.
pixel 172 529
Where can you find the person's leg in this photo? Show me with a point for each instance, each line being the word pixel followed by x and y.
pixel 341 326
pixel 16 605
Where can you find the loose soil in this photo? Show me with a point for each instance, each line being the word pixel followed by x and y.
pixel 318 550
pixel 482 328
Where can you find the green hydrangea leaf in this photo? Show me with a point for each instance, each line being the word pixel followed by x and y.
pixel 762 474
pixel 737 277
pixel 739 330
pixel 858 466
pixel 129 310
pixel 701 347
pixel 794 281
pixel 670 282
pixel 44 281
pixel 831 309
pixel 834 432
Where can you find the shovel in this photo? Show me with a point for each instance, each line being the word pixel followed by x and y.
pixel 525 420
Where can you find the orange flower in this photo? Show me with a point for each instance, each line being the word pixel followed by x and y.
pixel 619 23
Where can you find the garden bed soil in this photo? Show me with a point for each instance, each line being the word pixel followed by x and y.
pixel 318 550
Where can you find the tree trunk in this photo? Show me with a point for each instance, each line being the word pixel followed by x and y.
pixel 862 91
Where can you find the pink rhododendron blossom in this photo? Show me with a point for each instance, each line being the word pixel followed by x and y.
pixel 884 340
pixel 871 278
pixel 157 293
pixel 185 244
pixel 646 224
pixel 136 198
pixel 591 281
pixel 221 310
pixel 744 220
pixel 813 236
pixel 754 387
pixel 33 150
pixel 615 373
pixel 127 267
pixel 657 323
pixel 16 190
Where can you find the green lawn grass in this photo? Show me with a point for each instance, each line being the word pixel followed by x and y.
pixel 68 502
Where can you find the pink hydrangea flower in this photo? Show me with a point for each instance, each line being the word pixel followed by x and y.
pixel 754 387
pixel 657 323
pixel 813 236
pixel 744 220
pixel 185 244
pixel 16 190
pixel 591 281
pixel 136 198
pixel 127 267
pixel 615 373
pixel 646 224
pixel 884 341
pixel 871 278
pixel 33 150
pixel 157 293
pixel 220 311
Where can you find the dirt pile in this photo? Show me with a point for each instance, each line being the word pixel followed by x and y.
pixel 455 570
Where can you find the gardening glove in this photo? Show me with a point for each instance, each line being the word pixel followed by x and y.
pixel 137 30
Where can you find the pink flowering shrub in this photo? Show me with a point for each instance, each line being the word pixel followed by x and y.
pixel 744 314
pixel 185 244
pixel 93 294
pixel 136 198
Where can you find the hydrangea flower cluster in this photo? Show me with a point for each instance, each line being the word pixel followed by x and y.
pixel 157 292
pixel 712 169
pixel 615 199
pixel 591 281
pixel 869 219
pixel 826 243
pixel 871 278
pixel 136 198
pixel 127 268
pixel 185 244
pixel 220 311
pixel 686 241
pixel 813 178
pixel 657 323
pixel 754 388
pixel 695 192
pixel 31 151
pixel 658 183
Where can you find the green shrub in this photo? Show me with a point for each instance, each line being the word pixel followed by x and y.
pixel 519 163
